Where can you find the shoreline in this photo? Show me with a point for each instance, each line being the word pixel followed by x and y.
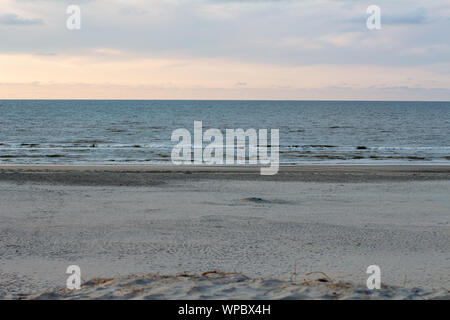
pixel 173 167
pixel 151 175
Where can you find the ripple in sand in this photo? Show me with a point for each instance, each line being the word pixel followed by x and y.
pixel 257 200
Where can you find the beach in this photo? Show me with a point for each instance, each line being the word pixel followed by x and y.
pixel 246 150
pixel 314 227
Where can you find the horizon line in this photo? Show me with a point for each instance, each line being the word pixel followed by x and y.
pixel 279 100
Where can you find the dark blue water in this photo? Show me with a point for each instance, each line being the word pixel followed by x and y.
pixel 68 132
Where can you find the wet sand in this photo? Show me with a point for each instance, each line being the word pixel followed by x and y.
pixel 138 175
pixel 115 221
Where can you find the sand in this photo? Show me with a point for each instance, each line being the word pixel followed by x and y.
pixel 119 221
pixel 218 285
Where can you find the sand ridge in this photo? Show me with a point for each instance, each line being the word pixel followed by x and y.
pixel 224 286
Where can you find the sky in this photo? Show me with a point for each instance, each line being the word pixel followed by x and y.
pixel 225 49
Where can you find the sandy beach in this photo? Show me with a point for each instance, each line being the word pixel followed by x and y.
pixel 307 232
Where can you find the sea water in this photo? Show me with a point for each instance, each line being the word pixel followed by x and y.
pixel 139 132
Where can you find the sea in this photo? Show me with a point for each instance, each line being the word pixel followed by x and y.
pixel 139 132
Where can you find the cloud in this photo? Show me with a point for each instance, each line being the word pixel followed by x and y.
pixel 13 19
pixel 45 54
pixel 284 32
pixel 132 11
pixel 38 90
pixel 415 16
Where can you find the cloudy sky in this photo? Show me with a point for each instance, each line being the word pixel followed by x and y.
pixel 225 49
